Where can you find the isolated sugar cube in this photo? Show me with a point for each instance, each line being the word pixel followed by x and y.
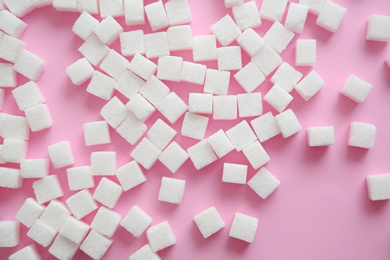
pixel 134 12
pixel 209 222
pixel 154 90
pixel 129 84
pixel 101 86
pixel 114 112
pixel 9 233
pixel 108 30
pixel 246 15
pixel 136 221
pixel 315 6
pixel 234 173
pixel 256 155
pixel 356 89
pixel 194 126
pixel 225 107
pixel 29 212
pixel 39 117
pixel 11 24
pixel 278 98
pixel 173 157
pixel 140 107
pixel 286 76
pixel 63 248
pixel 156 44
pixel 74 230
pixel 250 41
pixel 378 187
pixel 41 233
pixel 14 150
pixel 362 135
pixel 65 5
pixel 250 77
pixel 172 107
pixel 161 134
pixel 267 59
pixel 204 48
pixel 331 16
pixel 10 178
pixel 112 8
pixel 296 17
pixel 241 135
pixel 80 178
pixel 81 204
pixel 244 227
pixel 95 245
pixel 310 85
pixel 8 75
pixel 220 143
pixel 29 65
pixel 47 188
pixel 84 25
pixel 107 192
pixel 90 6
pixel 160 236
pixel 273 10
pixel 378 28
pixel 11 48
pixel 106 221
pixel 157 16
pixel 320 136
pixel 263 183
pixel 305 52
pixel 201 154
pixel 288 123
pixel 80 71
pixel 132 129
pixel 15 127
pixel 29 252
pixel 217 82
pixel 144 252
pixel 229 58
pixel 94 49
pixel 278 37
pixel 179 37
pixel 132 42
pixel 142 66
pixel 169 68
pixel 249 104
pixel 114 64
pixel 225 30
pixel 61 154
pixel 200 103
pixel 171 190
pixel 96 133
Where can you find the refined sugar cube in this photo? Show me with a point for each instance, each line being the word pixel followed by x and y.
pixel 286 76
pixel 331 16
pixel 29 65
pixel 241 135
pixel 278 37
pixel 154 90
pixel 320 136
pixel 144 252
pixel 244 227
pixel 178 12
pixel 114 112
pixel 146 153
pixel 80 178
pixel 114 64
pixel 47 188
pixel 161 134
pixel 132 129
pixel 378 28
pixel 14 150
pixel 101 86
pixel 65 5
pixel 249 104
pixel 60 154
pixel 11 48
pixel 96 133
pixel 273 10
pixel 29 252
pixel 136 221
pixel 80 71
pixel 220 143
pixel 169 68
pixel 263 183
pixel 250 77
pixel 310 85
pixel 171 190
pixel 41 233
pixel 250 41
pixel 172 107
pixel 200 103
pixel 140 107
pixel 288 123
pixel 107 192
pixel 112 8
pixel 19 8
pixel 8 75
pixel 362 135
pixel 305 52
pixel 179 38
pixel 193 73
pixel 156 45
pixel 11 24
pixel 39 117
pixel 194 126
pixel 129 84
pixel 356 89
pixel 130 175
pixel 231 3
pixel 29 212
pixel 229 58
pixel 267 59
pixel 90 6
pixel 204 48
pixel 201 154
pixel 217 82
pixel 81 204
pixel 84 25
pixel 15 127
pixel 142 66
pixel 278 98
pixel 225 107
pixel 315 6
pixel 234 173
pixel 160 236
pixel 108 30
pixel 209 222
pixel 94 49
pixel 256 155
pixel 225 30
pixel 10 178
pixel 173 157
pixel 296 17
pixel 55 215
pixel 74 230
pixel 106 221
pixel 132 42
pixel 95 245
pixel 9 233
pixel 378 187
pixel 265 127
pixel 157 16
pixel 63 248
pixel 246 15
pixel 134 12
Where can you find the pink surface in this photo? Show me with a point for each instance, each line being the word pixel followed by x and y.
pixel 321 209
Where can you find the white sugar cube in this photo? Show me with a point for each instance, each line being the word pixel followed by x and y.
pixel 250 41
pixel 331 16
pixel 108 30
pixel 146 153
pixel 130 175
pixel 114 64
pixel 225 30
pixel 320 136
pixel 157 16
pixel 160 236
pixel 63 248
pixel 225 107
pixel 286 76
pixel 29 212
pixel 80 178
pixel 112 8
pixel 103 163
pixel 134 12
pixel 142 66
pixel 94 49
pixel 362 135
pixel 84 25
pixel 201 154
pixel 263 183
pixel 154 90
pixel 310 85
pixel 246 15
pixel 250 77
pixel 14 150
pixel 11 24
pixel 114 112
pixel 200 103
pixel 267 59
pixel 81 204
pixel 173 157
pixel 15 127
pixel 136 221
pixel 132 129
pixel 39 117
pixel 95 245
pixel 178 12
pixel 60 154
pixel 288 123
pixel 171 190
pixel 241 135
pixel 55 215
pixel 256 155
pixel 29 65
pixel 378 187
pixel 10 178
pixel 169 68
pixel 278 98
pixel 29 252
pixel 231 3
pixel 47 188
pixel 11 48
pixel 132 42
pixel 9 233
pixel 65 5
pixel 144 252
pixel 96 133
pixel 101 86
pixel 305 52
pixel 249 104
pixel 273 10
pixel 90 6
pixel 378 28
pixel 74 230
pixel 41 233
pixel 106 221
pixel 80 71
pixel 220 143
pixel 129 84
pixel 179 38
pixel 356 89
pixel 204 48
pixel 8 75
pixel 194 126
pixel 156 44
pixel 265 127
pixel 209 222
pixel 229 58
pixel 244 227
pixel 315 6
pixel 234 173
pixel 140 107
pixel 172 107
pixel 161 134
pixel 193 73
pixel 217 82
pixel 296 17
pixel 278 37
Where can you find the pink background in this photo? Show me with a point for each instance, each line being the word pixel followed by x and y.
pixel 321 209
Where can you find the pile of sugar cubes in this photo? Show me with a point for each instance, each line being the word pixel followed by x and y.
pixel 142 73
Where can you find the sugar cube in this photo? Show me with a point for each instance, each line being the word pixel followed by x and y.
pixel 256 155
pixel 74 230
pixel 65 5
pixel 200 103
pixel 84 25
pixel 114 112
pixel 156 44
pixel 144 252
pixel 41 233
pixel 140 107
pixel 267 59
pixel 10 178
pixel 231 3
pixel 217 82
pixel 378 187
pixel 29 65
pixel 47 188
pixel 154 90
pixel 244 227
pixel 132 129
pixel 108 30
pixel 107 192
pixel 179 38
pixel 246 15
pixel 225 30
pixel 103 163
pixel 249 104
pixel 265 127
pixel 106 221
pixel 142 66
pixel 80 71
pixel 173 157
pixel 169 68
pixel 19 8
pixel 114 64
pixel 286 76
pixel 296 17
pixel 134 12
pixel 81 204
pixel 356 89
pixel 95 245
pixel 132 42
pixel 14 150
pixel 101 86
pixel 11 48
pixel 278 98
pixel 331 16
pixel 80 178
pixel 9 233
pixel 250 41
pixel 8 75
pixel 194 126
pixel 146 153
pixel 234 173
pixel 250 77
pixel 209 222
pixel 39 117
pixel 241 135
pixel 63 248
pixel 112 8
pixel 305 52
pixel 201 154
pixel 55 215
pixel 157 16
pixel 29 252
pixel 315 6
pixel 11 24
pixel 160 236
pixel 178 12
pixel 29 212
pixel 136 221
pixel 94 49
pixel 60 154
pixel 225 107
pixel 263 183
pixel 288 123
pixel 15 127
pixel 204 48
pixel 310 85
pixel 90 6
pixel 229 58
pixel 130 175
pixel 129 84
pixel 161 134
pixel 193 73
pixel 273 10
pixel 362 135
pixel 172 107
pixel 97 132
pixel 220 143
pixel 320 136
pixel 378 28
pixel 278 37
pixel 171 190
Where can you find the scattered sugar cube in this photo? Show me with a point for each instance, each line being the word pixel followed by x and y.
pixel 194 126
pixel 96 133
pixel 225 107
pixel 47 188
pixel 94 49
pixel 296 17
pixel 356 89
pixel 9 233
pixel 29 212
pixel 179 38
pixel 41 233
pixel 320 136
pixel 378 28
pixel 178 12
pixel 267 59
pixel 134 12
pixel 95 245
pixel 286 76
pixel 8 75
pixel 209 222
pixel 217 82
pixel 29 252
pixel 256 155
pixel 65 5
pixel 244 227
pixel 278 98
pixel 278 37
pixel 362 135
pixel 103 163
pixel 201 154
pixel 160 236
pixel 157 16
pixel 14 150
pixel 229 58
pixel 173 157
pixel 265 127
pixel 250 41
pixel 200 103
pixel 84 25
pixel 11 24
pixel 129 84
pixel 10 178
pixel 193 73
pixel 39 117
pixel 161 134
pixel 130 175
pixel 310 85
pixel 234 173
pixel 263 183
pixel 29 65
pixel 112 8
pixel 132 42
pixel 80 71
pixel 132 129
pixel 80 178
pixel 204 48
pixel 136 221
pixel 146 153
pixel 378 187
pixel 172 107
pixel 101 86
pixel 74 230
pixel 231 3
pixel 305 52
pixel 140 107
pixel 114 112
pixel 171 190
pixel 106 221
pixel 225 30
pixel 246 15
pixel 315 6
pixel 169 68
pixel 331 16
pixel 241 135
pixel 108 30
pixel 63 248
pixel 154 90
pixel 55 215
pixel 19 8
pixel 60 154
pixel 156 44
pixel 249 104
pixel 90 6
pixel 142 66
pixel 250 77
pixel 288 123
pixel 81 204
pixel 273 10
pixel 144 252
pixel 114 64
pixel 220 143
pixel 11 48
pixel 15 127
